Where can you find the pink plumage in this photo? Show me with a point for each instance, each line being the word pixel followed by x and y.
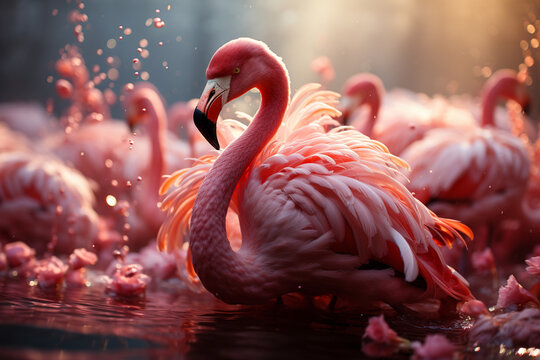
pixel 475 173
pixel 320 212
pixel 42 200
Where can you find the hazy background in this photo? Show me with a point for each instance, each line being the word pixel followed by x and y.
pixel 429 46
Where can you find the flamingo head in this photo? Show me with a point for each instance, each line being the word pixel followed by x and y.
pixel 505 83
pixel 235 68
pixel 138 101
pixel 361 89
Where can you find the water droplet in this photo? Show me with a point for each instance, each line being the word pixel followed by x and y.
pixel 139 178
pixel 108 163
pixel 111 43
pixel 114 182
pixel 127 227
pixel 139 50
pixel 111 200
pixel 120 37
pixel 135 60
pixel 59 210
pixel 82 153
pixel 120 27
pixel 99 51
pixel 125 238
pixel 64 89
pixel 136 73
pixel 130 141
pixel 158 23
pixel 113 74
pixel 531 29
pixel 160 43
pixel 128 183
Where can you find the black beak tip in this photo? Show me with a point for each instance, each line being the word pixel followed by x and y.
pixel 526 108
pixel 207 127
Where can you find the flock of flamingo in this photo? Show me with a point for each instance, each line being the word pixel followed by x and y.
pixel 372 199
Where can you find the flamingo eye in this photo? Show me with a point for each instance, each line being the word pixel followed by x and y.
pixel 236 70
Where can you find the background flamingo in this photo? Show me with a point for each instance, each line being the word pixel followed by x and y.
pixel 43 201
pixel 476 174
pixel 28 119
pixel 321 213
pixel 397 118
pixel 159 152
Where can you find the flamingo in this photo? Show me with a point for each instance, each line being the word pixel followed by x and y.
pixel 477 173
pixel 320 213
pixel 398 118
pixel 28 119
pixel 126 167
pixel 167 153
pixel 42 202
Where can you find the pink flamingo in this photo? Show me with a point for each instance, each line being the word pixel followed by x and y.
pixel 362 89
pixel 398 118
pixel 42 202
pixel 28 119
pixel 167 153
pixel 127 167
pixel 11 140
pixel 476 174
pixel 321 213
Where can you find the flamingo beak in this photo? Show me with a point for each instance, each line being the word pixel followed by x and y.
pixel 345 105
pixel 207 111
pixel 526 107
pixel 132 119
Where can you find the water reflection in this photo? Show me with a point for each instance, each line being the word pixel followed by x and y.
pixel 171 321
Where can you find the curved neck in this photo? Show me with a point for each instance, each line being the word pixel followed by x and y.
pixel 221 269
pixel 374 104
pixel 489 102
pixel 157 133
pixel 370 94
pixel 494 91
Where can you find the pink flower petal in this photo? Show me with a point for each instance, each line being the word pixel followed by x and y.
pixel 128 281
pixel 379 331
pixel 435 347
pixel 534 265
pixel 81 258
pixel 514 294
pixel 50 272
pixel 18 253
pixel 474 308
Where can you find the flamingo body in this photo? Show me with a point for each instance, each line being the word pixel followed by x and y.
pixel 40 198
pixel 320 213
